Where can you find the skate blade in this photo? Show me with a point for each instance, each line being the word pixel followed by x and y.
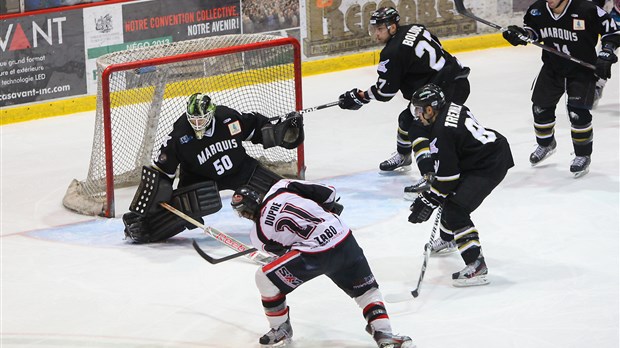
pixel 410 196
pixel 578 175
pixel 284 343
pixel 475 281
pixel 398 171
pixel 444 252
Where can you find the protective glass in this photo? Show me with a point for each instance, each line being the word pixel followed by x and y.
pixel 416 111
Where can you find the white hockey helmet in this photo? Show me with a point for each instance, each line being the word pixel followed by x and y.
pixel 200 111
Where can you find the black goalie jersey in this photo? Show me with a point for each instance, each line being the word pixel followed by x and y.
pixel 574 32
pixel 463 146
pixel 219 154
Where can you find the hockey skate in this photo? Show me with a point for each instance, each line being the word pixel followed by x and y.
pixel 442 247
pixel 542 152
pixel 411 192
pixel 473 274
pixel 397 161
pixel 389 340
pixel 580 166
pixel 278 337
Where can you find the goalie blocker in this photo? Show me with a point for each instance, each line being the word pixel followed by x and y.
pixel 148 222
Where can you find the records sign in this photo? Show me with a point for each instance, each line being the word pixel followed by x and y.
pixel 41 57
pixel 342 26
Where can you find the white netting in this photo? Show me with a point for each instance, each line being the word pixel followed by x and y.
pixel 145 102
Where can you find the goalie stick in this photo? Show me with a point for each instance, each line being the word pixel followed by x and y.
pixel 223 238
pixel 427 253
pixel 307 110
pixel 460 8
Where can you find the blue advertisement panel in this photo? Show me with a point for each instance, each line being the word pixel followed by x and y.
pixel 41 57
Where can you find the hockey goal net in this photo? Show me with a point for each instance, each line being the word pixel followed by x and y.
pixel 142 92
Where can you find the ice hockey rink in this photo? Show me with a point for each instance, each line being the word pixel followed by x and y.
pixel 550 241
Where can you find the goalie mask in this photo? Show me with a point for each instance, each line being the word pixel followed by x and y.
pixel 246 202
pixel 200 111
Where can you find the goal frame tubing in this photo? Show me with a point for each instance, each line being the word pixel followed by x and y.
pixel 105 96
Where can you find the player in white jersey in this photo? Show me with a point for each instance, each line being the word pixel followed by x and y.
pixel 299 221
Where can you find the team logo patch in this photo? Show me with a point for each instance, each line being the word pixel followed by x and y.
pixel 383 66
pixel 535 12
pixel 234 128
pixel 288 278
pixel 185 139
pixel 579 24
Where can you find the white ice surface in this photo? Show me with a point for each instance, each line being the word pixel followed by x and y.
pixel 551 241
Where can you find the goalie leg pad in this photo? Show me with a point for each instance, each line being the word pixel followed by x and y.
pixel 199 199
pixel 155 187
pixel 262 179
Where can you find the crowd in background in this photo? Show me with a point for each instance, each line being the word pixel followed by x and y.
pixel 260 16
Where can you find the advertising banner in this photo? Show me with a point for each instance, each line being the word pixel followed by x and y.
pixel 41 57
pixel 178 20
pixel 338 26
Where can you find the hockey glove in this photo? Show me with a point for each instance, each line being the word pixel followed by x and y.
pixel 423 207
pixel 276 249
pixel 515 35
pixel 606 57
pixel 352 100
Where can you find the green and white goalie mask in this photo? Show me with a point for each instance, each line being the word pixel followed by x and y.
pixel 200 111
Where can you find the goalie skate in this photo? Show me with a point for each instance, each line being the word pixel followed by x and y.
pixel 473 274
pixel 395 164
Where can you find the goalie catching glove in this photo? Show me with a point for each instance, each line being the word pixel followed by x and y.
pixel 287 133
pixel 352 100
pixel 423 207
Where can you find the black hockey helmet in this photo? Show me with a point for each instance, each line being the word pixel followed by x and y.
pixel 246 201
pixel 200 111
pixel 387 15
pixel 428 95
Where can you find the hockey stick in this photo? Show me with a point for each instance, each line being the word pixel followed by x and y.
pixel 400 297
pixel 427 253
pixel 222 237
pixel 213 260
pixel 307 110
pixel 460 8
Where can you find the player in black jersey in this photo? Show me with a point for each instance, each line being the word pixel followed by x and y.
pixel 472 161
pixel 411 58
pixel 614 12
pixel 205 144
pixel 572 27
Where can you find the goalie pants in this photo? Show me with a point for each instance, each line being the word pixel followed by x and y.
pixel 473 188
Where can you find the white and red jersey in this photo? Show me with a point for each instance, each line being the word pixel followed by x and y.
pixel 293 215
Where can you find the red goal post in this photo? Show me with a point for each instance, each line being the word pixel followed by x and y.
pixel 142 92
